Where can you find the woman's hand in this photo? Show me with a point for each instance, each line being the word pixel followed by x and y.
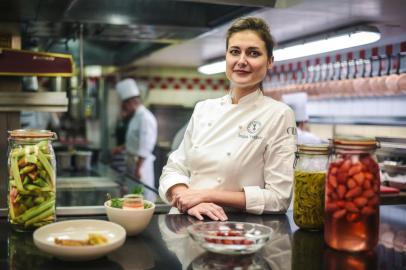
pixel 187 198
pixel 210 210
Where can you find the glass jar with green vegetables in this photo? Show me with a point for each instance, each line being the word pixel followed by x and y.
pixel 310 173
pixel 31 185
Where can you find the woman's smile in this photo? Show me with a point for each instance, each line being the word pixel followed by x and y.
pixel 242 72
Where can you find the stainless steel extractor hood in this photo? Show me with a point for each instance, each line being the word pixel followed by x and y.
pixel 118 32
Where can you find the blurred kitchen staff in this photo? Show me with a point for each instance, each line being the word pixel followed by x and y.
pixel 34 119
pixel 238 150
pixel 298 103
pixel 141 133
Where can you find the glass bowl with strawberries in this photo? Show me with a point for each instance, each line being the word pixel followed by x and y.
pixel 351 220
pixel 233 238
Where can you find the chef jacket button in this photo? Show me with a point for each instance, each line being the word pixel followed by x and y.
pixel 228 154
pixel 196 147
pixel 218 179
pixel 209 124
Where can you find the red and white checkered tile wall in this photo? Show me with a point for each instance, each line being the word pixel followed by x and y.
pixel 172 83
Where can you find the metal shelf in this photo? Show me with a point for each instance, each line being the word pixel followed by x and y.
pixel 356 120
pixel 39 101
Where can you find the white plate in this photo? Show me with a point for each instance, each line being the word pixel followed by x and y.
pixel 44 238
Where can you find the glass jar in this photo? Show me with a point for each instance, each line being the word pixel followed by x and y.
pixel 133 202
pixel 352 195
pixel 310 175
pixel 31 185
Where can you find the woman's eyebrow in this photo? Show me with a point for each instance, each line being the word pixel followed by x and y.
pixel 253 48
pixel 249 48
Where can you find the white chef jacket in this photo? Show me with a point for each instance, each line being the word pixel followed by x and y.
pixel 140 141
pixel 247 147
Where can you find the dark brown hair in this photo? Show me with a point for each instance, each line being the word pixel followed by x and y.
pixel 259 26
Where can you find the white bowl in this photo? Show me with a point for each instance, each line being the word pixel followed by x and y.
pixel 133 221
pixel 44 238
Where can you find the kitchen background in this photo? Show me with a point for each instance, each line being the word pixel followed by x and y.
pixel 358 91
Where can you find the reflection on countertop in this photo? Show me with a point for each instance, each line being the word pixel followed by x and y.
pixel 165 244
pixel 276 254
pixel 222 262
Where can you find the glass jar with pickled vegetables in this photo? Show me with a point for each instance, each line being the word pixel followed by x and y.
pixel 310 174
pixel 351 220
pixel 31 185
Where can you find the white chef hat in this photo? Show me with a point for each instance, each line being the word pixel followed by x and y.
pixel 298 103
pixel 127 89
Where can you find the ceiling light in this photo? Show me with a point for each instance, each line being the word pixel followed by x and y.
pixel 328 43
pixel 213 68
pixel 93 71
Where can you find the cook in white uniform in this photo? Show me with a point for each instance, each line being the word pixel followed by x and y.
pixel 141 133
pixel 238 150
pixel 298 102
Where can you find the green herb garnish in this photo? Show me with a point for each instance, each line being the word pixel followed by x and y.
pixel 116 203
pixel 147 205
pixel 138 189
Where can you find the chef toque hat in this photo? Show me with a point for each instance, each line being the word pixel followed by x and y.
pixel 127 89
pixel 298 103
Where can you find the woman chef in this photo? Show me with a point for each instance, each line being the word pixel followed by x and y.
pixel 141 133
pixel 238 150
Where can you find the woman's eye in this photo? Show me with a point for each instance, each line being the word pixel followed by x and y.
pixel 234 52
pixel 254 53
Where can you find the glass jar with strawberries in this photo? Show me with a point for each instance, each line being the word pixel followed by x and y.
pixel 351 220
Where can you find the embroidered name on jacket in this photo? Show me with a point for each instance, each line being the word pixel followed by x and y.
pixel 253 128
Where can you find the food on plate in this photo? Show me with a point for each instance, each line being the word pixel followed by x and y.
pixel 93 240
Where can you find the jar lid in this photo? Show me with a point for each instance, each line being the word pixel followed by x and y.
pixel 355 143
pixel 313 149
pixel 31 134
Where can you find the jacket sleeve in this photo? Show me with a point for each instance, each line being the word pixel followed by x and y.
pixel 278 157
pixel 176 170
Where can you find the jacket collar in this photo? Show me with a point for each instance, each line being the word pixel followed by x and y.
pixel 248 99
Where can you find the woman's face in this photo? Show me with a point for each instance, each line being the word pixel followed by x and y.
pixel 247 61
